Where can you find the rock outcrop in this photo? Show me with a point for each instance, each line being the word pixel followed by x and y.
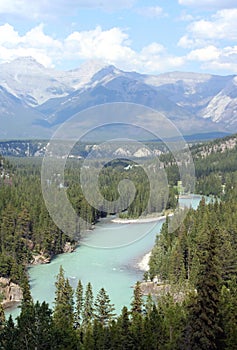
pixel 10 292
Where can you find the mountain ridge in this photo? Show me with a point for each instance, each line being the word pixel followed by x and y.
pixel 194 102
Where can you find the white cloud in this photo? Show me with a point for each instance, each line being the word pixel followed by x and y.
pixel 209 4
pixel 208 53
pixel 154 58
pixel 153 49
pixel 215 59
pixel 187 42
pixel 112 45
pixel 37 38
pixel 8 35
pixel 208 38
pixel 34 43
pixel 221 26
pixel 151 11
pixel 109 45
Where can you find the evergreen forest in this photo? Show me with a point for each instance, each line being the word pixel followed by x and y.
pixel 195 264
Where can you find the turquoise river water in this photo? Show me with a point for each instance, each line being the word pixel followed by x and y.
pixel 115 269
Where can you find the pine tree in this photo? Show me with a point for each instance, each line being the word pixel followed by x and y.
pixel 203 329
pixel 124 330
pixel 27 298
pixel 137 302
pixel 149 304
pixel 104 310
pixel 79 304
pixel 63 315
pixel 44 327
pixel 136 313
pixel 26 327
pixel 98 335
pixel 63 311
pixel 9 336
pixel 88 309
pixel 88 339
pixel 153 328
pixel 228 316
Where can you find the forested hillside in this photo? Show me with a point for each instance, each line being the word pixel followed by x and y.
pixel 196 264
pixel 28 234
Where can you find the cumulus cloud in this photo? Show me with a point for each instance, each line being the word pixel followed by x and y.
pixel 34 43
pixel 207 41
pixel 208 53
pixel 109 45
pixel 221 25
pixel 8 35
pixel 112 46
pixel 213 58
pixel 209 4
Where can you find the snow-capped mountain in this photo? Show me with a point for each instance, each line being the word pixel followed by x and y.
pixel 31 81
pixel 79 78
pixel 41 98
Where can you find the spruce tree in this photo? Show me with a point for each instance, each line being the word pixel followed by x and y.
pixel 153 328
pixel 203 328
pixel 9 336
pixel 137 320
pixel 27 298
pixel 26 327
pixel 88 309
pixel 63 315
pixel 137 302
pixel 44 326
pixel 125 340
pixel 228 316
pixel 88 339
pixel 104 310
pixel 79 304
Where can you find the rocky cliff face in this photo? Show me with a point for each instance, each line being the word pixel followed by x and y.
pixel 10 292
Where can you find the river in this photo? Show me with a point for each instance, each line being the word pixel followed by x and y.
pixel 114 268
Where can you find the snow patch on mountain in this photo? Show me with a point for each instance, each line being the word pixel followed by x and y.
pixel 80 77
pixel 35 84
pixel 193 101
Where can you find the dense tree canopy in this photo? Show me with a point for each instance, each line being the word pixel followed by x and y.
pixel 196 264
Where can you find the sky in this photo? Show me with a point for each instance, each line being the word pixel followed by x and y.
pixel 150 37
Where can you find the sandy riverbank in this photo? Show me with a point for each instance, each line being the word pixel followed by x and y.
pixel 140 220
pixel 143 264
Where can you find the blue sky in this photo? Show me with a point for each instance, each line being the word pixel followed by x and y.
pixel 145 36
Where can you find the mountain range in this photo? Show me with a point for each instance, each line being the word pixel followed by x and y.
pixel 35 100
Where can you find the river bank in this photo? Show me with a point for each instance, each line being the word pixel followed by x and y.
pixel 142 219
pixel 143 264
pixel 107 257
